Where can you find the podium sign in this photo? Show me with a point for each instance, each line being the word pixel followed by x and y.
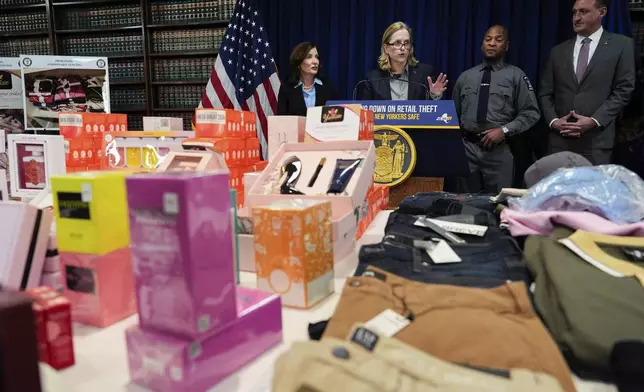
pixel 410 114
pixel 434 147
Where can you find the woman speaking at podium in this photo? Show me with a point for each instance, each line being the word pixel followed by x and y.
pixel 399 75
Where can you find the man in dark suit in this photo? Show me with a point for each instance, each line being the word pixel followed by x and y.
pixel 586 83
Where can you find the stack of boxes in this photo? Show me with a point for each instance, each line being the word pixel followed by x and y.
pixel 196 327
pixel 377 200
pixel 83 133
pixel 93 242
pixel 234 135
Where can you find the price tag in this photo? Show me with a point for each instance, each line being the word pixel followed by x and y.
pixel 170 203
pixel 442 253
pixel 388 323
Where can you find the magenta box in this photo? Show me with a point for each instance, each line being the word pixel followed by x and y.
pixel 182 251
pixel 164 363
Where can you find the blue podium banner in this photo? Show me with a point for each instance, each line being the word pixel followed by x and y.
pixel 410 114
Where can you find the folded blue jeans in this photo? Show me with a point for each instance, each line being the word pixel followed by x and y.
pixel 424 203
pixel 484 265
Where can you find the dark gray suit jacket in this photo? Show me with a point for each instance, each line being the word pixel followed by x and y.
pixel 602 93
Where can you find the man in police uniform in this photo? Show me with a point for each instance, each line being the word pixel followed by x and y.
pixel 494 101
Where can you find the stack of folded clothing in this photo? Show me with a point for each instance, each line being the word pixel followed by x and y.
pixel 69 93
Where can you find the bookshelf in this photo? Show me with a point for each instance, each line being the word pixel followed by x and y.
pixel 161 52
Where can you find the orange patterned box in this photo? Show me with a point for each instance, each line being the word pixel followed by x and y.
pixel 224 123
pixel 294 250
pixel 249 125
pixel 252 151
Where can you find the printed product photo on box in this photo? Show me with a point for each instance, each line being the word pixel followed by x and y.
pixel 11 102
pixel 62 84
pixel 33 160
pixel 339 122
pixel 139 150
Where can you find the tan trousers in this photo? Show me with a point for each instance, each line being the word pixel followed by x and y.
pixel 372 362
pixel 494 328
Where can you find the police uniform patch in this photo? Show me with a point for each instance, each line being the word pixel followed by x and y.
pixel 527 81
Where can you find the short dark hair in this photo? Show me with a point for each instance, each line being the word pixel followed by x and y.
pixel 298 55
pixel 598 3
pixel 504 31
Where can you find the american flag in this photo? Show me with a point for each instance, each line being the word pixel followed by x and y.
pixel 245 75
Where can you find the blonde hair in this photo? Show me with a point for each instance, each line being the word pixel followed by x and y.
pixel 383 60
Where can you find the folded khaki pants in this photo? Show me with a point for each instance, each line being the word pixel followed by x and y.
pixel 490 328
pixel 372 362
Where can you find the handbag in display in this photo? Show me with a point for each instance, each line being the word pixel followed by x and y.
pixel 42 92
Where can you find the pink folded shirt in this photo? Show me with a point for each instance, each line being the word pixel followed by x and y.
pixel 543 222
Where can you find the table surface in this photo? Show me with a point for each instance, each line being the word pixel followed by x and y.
pixel 101 359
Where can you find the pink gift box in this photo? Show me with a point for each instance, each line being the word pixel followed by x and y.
pixel 99 288
pixel 284 129
pixel 23 244
pixel 310 154
pixel 164 363
pixel 182 236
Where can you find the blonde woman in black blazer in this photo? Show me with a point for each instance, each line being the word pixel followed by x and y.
pixel 305 87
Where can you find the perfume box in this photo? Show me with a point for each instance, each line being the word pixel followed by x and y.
pixel 19 354
pixel 53 327
pixel 246 252
pixel 249 179
pixel 338 122
pixel 183 252
pixel 218 123
pixel 165 363
pixel 294 250
pixel 100 288
pixel 284 129
pixel 33 160
pixel 137 150
pixel 197 161
pixel 231 149
pixel 23 243
pixel 266 189
pixel 91 212
pixel 90 125
pixel 249 124
pixel 162 124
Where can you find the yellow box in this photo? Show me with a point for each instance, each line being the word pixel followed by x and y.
pixel 91 212
pixel 294 250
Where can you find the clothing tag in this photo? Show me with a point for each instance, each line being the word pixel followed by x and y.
pixel 366 338
pixel 374 274
pixel 86 193
pixel 442 253
pixel 438 229
pixel 460 228
pixel 388 323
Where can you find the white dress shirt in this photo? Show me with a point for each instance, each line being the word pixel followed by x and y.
pixel 594 42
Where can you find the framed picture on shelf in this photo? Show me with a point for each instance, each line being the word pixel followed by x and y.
pixel 62 84
pixel 11 105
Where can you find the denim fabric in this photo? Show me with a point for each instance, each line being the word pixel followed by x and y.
pixel 421 203
pixel 483 265
pixel 403 224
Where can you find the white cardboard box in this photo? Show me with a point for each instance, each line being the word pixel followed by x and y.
pixel 162 124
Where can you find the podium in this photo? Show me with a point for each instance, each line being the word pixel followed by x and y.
pixel 434 129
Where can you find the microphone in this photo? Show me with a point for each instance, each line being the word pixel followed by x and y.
pixel 355 89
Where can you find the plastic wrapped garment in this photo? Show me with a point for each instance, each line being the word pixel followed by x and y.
pixel 610 191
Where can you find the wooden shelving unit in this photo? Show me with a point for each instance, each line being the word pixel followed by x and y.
pixel 160 52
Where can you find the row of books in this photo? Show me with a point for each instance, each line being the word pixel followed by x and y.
pixel 183 69
pixel 127 97
pixel 23 22
pixel 187 40
pixel 103 16
pixel 16 47
pixel 179 97
pixel 126 70
pixel 107 45
pixel 179 11
pixel 20 2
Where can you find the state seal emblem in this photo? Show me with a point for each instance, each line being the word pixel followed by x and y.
pixel 395 155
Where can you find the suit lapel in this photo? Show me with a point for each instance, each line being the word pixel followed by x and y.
pixel 383 87
pixel 413 88
pixel 602 47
